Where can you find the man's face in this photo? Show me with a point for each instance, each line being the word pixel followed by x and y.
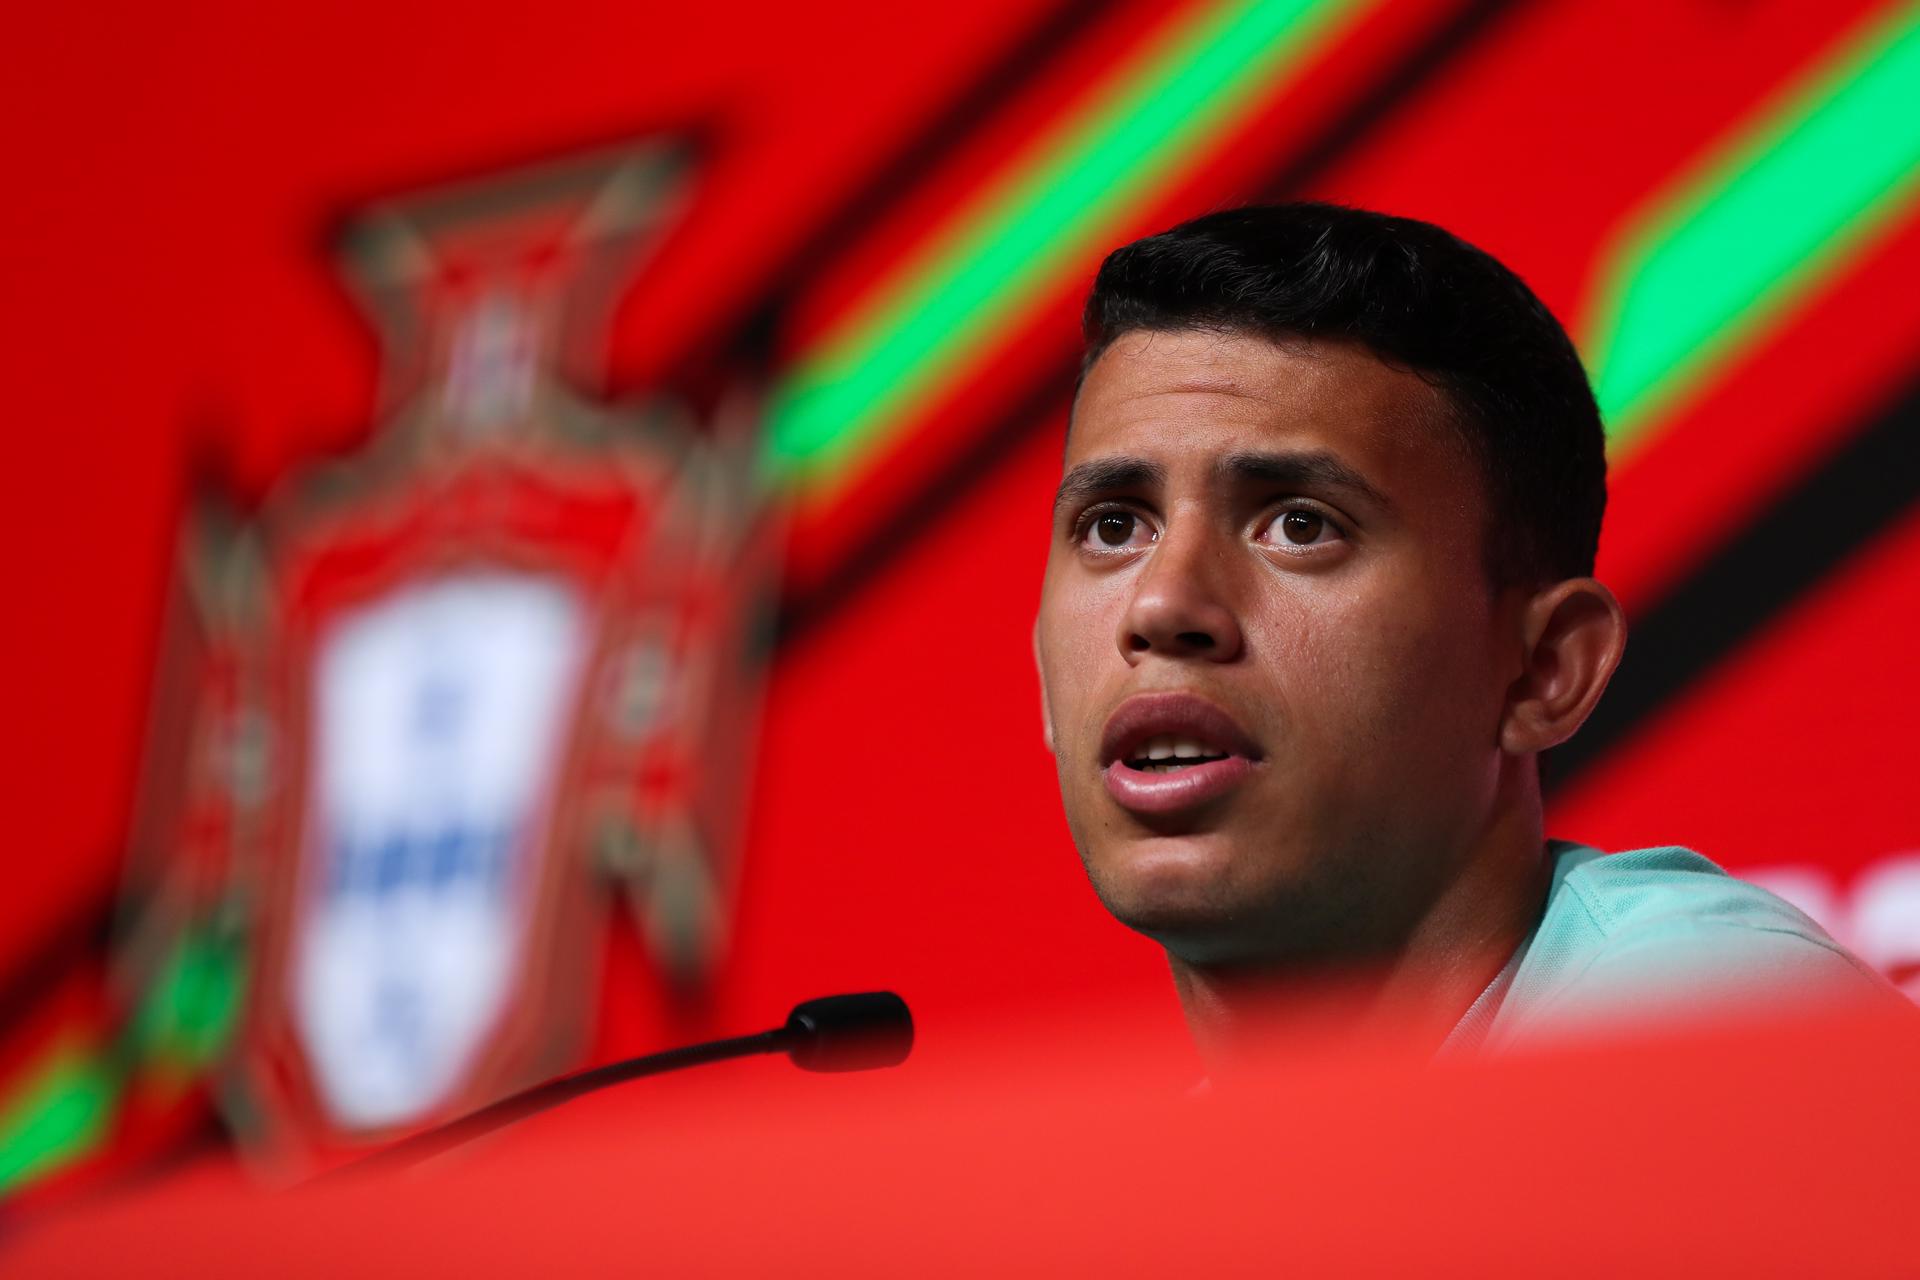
pixel 1274 667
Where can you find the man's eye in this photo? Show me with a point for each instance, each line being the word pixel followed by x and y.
pixel 1116 530
pixel 1303 527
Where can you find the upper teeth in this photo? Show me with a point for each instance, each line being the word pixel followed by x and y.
pixel 1167 747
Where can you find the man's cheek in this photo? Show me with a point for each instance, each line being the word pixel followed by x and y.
pixel 1074 738
pixel 1356 689
pixel 1088 663
pixel 1329 665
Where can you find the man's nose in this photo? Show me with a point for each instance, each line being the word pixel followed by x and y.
pixel 1180 607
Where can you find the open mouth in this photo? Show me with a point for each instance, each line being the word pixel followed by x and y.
pixel 1163 753
pixel 1168 754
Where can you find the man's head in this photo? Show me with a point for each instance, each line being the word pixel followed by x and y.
pixel 1334 483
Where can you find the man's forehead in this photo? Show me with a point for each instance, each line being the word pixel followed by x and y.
pixel 1173 390
pixel 1201 361
pixel 1144 364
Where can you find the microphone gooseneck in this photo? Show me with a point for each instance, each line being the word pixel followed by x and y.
pixel 857 1032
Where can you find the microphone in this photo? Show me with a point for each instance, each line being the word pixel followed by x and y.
pixel 857 1032
pixel 848 1033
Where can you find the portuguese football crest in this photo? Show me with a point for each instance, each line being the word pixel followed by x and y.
pixel 430 702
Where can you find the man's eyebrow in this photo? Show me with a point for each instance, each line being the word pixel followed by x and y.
pixel 1105 475
pixel 1313 469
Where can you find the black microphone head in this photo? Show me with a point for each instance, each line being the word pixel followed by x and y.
pixel 850 1033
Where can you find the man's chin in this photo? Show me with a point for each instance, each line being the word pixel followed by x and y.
pixel 1200 897
pixel 1167 888
pixel 1198 933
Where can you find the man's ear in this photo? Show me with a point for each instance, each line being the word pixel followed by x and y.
pixel 1046 711
pixel 1573 634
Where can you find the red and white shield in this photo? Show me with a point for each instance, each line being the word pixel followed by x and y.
pixel 449 690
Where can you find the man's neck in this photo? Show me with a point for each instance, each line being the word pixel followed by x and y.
pixel 1411 998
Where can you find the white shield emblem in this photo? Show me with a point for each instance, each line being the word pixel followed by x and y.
pixel 440 718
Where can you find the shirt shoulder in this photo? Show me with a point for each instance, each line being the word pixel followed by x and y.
pixel 1661 933
pixel 1668 890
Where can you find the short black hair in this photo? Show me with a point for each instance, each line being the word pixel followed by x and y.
pixel 1419 297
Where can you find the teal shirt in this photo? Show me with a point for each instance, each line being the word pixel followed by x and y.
pixel 1656 933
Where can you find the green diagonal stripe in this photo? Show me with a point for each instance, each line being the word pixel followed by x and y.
pixel 188 1015
pixel 841 399
pixel 1741 241
pixel 61 1113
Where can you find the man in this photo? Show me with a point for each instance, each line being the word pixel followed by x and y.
pixel 1319 593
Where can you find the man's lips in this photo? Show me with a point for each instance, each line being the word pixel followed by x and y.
pixel 1184 788
pixel 1149 723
